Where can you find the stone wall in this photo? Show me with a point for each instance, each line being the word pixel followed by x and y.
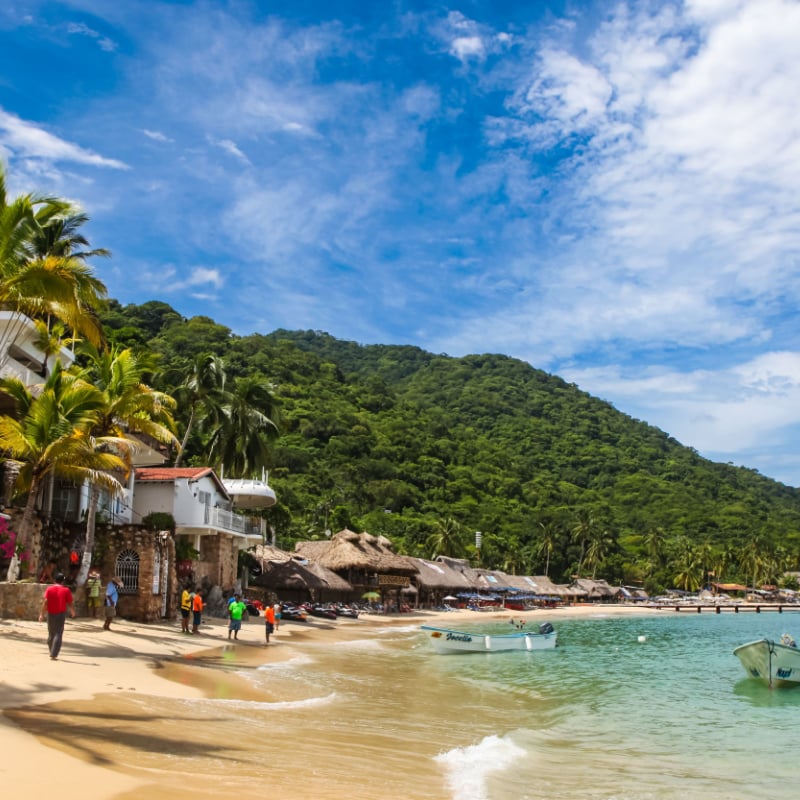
pixel 21 600
pixel 24 600
pixel 219 560
pixel 152 600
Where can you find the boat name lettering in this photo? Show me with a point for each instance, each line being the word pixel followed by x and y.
pixel 458 637
pixel 783 672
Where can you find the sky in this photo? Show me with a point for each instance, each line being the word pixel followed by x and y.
pixel 609 191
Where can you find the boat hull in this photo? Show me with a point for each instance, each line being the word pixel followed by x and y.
pixel 445 641
pixel 772 662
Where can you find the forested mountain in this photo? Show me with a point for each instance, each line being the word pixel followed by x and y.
pixel 428 449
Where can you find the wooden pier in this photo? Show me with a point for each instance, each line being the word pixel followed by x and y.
pixel 744 608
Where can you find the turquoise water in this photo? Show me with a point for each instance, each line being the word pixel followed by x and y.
pixel 604 716
pixel 609 716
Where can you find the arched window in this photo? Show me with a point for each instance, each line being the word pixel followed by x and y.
pixel 128 569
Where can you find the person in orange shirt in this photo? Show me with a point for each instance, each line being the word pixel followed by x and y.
pixel 197 611
pixel 269 621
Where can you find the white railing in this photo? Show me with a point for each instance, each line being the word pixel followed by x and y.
pixel 13 369
pixel 228 521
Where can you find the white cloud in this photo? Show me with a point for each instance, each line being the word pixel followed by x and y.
pixel 232 149
pixel 27 140
pixel 156 136
pixel 468 40
pixel 103 42
pixel 744 407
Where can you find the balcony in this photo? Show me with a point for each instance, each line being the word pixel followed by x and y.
pixel 206 520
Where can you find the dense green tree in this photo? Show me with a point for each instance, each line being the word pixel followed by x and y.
pixel 128 408
pixel 202 390
pixel 447 539
pixel 238 439
pixel 486 441
pixel 39 282
pixel 50 433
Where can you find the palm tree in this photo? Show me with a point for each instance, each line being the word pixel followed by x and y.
pixel 689 576
pixel 129 407
pixel 239 437
pixel 50 435
pixel 447 539
pixel 600 544
pixel 58 233
pixel 581 532
pixel 546 544
pixel 49 340
pixel 513 556
pixel 655 542
pixel 203 391
pixel 752 559
pixel 42 275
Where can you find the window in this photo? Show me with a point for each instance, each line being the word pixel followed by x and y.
pixel 128 569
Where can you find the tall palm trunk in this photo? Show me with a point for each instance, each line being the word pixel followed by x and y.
pixel 185 441
pixel 24 532
pixel 88 550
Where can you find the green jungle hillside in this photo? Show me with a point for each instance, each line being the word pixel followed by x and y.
pixel 427 450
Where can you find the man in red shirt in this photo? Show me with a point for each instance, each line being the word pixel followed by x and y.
pixel 57 599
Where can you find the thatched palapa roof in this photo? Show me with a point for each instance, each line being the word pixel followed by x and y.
pixel 350 550
pixel 301 574
pixel 594 589
pixel 438 576
pixel 271 555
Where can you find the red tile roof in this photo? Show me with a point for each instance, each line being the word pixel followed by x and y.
pixel 171 473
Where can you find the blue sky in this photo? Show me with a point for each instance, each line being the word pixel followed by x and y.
pixel 608 190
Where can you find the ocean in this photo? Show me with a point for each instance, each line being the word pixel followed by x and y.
pixel 625 708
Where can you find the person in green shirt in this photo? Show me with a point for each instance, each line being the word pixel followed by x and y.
pixel 236 610
pixel 93 592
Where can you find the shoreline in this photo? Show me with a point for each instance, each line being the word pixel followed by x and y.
pixel 158 660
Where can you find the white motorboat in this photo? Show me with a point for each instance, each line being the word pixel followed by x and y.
pixel 775 663
pixel 446 640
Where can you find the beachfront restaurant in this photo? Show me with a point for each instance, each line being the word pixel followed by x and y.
pixel 436 581
pixel 277 573
pixel 368 563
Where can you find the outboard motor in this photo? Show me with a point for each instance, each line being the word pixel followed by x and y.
pixel 546 627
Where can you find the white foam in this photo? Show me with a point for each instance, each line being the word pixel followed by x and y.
pixel 467 768
pixel 290 663
pixel 399 629
pixel 263 705
pixel 360 644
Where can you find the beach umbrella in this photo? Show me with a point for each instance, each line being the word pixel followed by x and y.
pixel 450 597
pixel 371 596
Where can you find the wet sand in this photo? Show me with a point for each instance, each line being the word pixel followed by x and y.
pixel 125 711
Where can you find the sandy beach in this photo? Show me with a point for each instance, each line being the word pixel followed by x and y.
pixel 139 661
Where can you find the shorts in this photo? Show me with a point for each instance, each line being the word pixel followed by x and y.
pixel 185 613
pixel 270 627
pixel 235 625
pixel 111 612
pixel 93 602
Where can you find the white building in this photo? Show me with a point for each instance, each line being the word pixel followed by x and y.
pixel 204 516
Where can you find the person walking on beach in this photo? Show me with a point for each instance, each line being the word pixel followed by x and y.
pixel 186 608
pixel 56 600
pixel 93 584
pixel 269 621
pixel 277 610
pixel 236 610
pixel 111 600
pixel 197 612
